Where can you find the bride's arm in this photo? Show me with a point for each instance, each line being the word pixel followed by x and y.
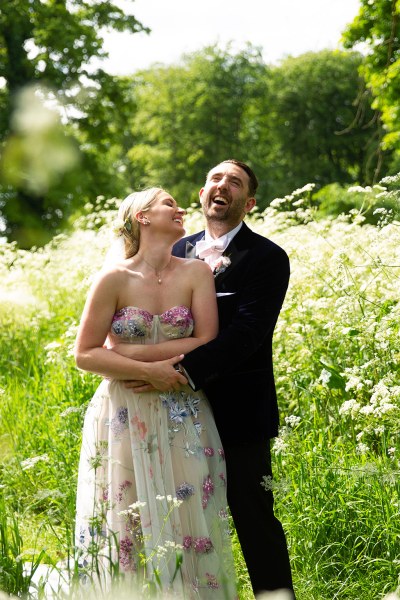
pixel 89 351
pixel 205 314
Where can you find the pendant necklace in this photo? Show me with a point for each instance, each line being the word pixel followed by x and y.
pixel 157 272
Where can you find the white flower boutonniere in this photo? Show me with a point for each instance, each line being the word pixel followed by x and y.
pixel 220 265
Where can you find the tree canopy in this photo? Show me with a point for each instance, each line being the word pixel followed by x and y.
pixel 377 29
pixel 70 132
pixel 294 123
pixel 51 45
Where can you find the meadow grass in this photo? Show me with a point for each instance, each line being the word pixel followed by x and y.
pixel 336 460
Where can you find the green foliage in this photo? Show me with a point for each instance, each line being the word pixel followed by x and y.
pixel 191 116
pixel 377 28
pixel 15 578
pixel 372 203
pixel 321 135
pixel 216 105
pixel 43 176
pixel 336 346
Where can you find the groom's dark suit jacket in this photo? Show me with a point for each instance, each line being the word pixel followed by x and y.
pixel 235 369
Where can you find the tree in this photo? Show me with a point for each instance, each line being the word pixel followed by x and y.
pixel 192 115
pixel 321 136
pixel 295 123
pixel 377 28
pixel 51 45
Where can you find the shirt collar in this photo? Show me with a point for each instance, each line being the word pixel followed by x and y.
pixel 226 237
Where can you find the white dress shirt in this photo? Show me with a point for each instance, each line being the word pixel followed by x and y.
pixel 211 249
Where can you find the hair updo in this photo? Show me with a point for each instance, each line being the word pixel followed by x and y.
pixel 129 208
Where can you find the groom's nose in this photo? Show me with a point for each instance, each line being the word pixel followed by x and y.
pixel 222 183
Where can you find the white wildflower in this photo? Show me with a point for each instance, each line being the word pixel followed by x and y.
pixel 137 504
pixel 358 188
pixel 279 445
pixel 71 410
pixel 362 448
pixel 267 483
pixel 173 545
pixel 351 407
pixel 161 551
pixel 29 463
pixel 325 377
pixel 354 383
pixel 292 420
pixel 52 346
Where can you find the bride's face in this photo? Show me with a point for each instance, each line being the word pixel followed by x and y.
pixel 165 215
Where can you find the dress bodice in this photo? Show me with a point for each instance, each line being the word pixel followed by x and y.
pixel 138 326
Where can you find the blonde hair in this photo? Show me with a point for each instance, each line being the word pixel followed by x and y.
pixel 129 208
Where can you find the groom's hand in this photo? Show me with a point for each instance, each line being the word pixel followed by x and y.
pixel 162 375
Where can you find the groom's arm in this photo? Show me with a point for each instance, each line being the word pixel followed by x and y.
pixel 261 293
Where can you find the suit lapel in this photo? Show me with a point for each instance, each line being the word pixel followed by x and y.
pixel 235 256
pixel 190 250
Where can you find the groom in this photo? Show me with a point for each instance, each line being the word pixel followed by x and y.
pixel 235 370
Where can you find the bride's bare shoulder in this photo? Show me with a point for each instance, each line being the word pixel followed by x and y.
pixel 194 266
pixel 117 271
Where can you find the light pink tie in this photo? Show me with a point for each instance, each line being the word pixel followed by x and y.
pixel 205 249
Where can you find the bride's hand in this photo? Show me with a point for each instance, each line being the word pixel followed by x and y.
pixel 138 385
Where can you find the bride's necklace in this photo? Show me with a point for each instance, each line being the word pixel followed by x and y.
pixel 157 271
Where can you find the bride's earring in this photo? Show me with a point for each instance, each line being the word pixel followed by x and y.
pixel 142 219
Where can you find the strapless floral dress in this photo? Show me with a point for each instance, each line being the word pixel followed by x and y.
pixel 151 497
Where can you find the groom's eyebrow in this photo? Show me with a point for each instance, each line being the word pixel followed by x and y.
pixel 230 177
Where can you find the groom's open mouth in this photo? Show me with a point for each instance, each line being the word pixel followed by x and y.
pixel 220 201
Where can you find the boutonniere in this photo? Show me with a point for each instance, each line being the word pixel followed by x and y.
pixel 220 265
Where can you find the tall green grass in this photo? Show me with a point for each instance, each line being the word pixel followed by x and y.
pixel 337 357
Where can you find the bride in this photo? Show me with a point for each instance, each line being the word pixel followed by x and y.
pixel 151 496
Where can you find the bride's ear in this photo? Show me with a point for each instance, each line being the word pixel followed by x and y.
pixel 141 218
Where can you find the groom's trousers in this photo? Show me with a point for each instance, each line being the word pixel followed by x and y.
pixel 260 533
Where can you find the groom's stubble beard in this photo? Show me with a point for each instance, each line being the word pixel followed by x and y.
pixel 233 215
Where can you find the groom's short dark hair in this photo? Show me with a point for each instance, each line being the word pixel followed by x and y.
pixel 253 181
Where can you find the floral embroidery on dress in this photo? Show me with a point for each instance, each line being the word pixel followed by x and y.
pixel 122 489
pixel 212 581
pixel 199 427
pixel 120 421
pixel 126 559
pixel 140 426
pixel 177 322
pixel 201 545
pixel 177 412
pixel 184 491
pixel 192 404
pixel 131 322
pixel 208 490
